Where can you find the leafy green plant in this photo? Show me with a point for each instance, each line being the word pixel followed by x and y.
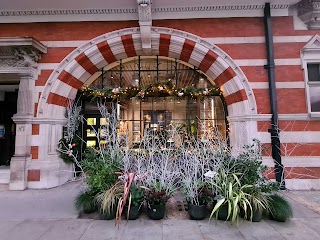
pixel 231 194
pixel 136 195
pixel 100 175
pixel 280 209
pixel 85 202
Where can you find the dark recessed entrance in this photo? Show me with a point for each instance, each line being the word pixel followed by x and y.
pixel 8 107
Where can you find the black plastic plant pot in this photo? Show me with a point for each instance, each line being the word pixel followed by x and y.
pixel 223 212
pixel 108 216
pixel 197 212
pixel 156 212
pixel 134 212
pixel 89 210
pixel 256 216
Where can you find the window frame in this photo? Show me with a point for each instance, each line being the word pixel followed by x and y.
pixel 310 54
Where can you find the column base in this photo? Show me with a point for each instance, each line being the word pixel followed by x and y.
pixel 18 173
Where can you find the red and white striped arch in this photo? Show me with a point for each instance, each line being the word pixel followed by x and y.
pixel 82 63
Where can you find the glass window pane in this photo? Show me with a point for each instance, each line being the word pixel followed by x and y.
pixel 91 121
pixel 313 72
pixel 315 99
pixel 104 121
pixel 91 133
pixel 91 143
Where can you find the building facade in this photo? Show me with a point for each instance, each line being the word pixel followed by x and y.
pixel 267 66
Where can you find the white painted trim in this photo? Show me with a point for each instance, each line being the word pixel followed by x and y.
pixel 217 40
pixel 262 62
pixel 294 117
pixel 303 184
pixel 294 161
pixel 292 137
pixel 131 13
pixel 265 85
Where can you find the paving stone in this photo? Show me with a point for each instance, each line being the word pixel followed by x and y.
pixel 294 229
pixel 216 229
pixel 6 226
pixel 143 229
pixel 67 229
pixel 181 229
pixel 103 230
pixel 314 224
pixel 28 230
pixel 258 230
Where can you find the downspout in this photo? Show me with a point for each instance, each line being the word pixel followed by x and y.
pixel 274 130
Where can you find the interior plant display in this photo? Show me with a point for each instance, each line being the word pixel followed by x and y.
pixel 279 208
pixel 85 202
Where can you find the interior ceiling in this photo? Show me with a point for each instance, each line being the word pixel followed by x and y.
pixel 103 4
pixel 168 69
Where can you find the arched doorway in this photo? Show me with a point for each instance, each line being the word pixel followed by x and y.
pixel 82 64
pixel 158 96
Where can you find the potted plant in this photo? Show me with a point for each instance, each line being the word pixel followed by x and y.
pixel 197 203
pixel 135 202
pixel 85 202
pixel 279 208
pixel 108 201
pixel 230 198
pixel 156 203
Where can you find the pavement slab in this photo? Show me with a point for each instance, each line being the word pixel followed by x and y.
pixel 67 229
pixel 294 230
pixel 103 230
pixel 142 229
pixel 28 230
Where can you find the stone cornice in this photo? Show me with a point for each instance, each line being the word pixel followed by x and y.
pixel 309 13
pixel 131 10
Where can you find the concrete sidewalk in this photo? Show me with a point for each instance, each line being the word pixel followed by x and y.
pixel 50 215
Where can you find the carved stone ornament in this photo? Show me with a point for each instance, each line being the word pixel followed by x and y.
pixel 18 57
pixel 145 22
pixel 309 13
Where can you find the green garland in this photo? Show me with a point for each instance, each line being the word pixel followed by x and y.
pixel 167 89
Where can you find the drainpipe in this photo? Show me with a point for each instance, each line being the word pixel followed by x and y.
pixel 274 130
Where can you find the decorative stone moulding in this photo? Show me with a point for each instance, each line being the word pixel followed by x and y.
pixel 20 52
pixel 309 13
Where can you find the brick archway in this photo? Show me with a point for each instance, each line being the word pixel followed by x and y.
pixel 78 66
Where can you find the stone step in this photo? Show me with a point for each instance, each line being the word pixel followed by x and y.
pixel 4 174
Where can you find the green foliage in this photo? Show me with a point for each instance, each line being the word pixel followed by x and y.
pixel 232 194
pixel 85 202
pixel 136 195
pixel 100 175
pixel 249 164
pixel 280 208
pixel 202 195
pixel 68 150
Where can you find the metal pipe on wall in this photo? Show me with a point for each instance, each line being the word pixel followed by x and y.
pixel 274 130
